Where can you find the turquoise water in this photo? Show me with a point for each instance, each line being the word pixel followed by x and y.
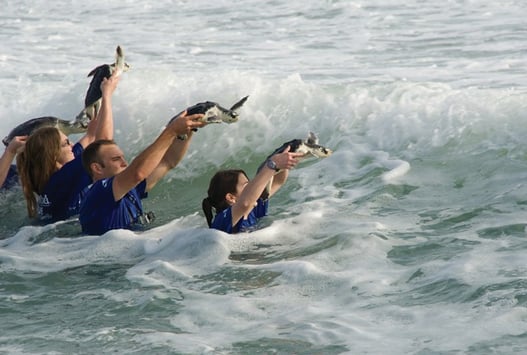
pixel 409 239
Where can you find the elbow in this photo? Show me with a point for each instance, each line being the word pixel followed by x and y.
pixel 139 175
pixel 246 205
pixel 167 164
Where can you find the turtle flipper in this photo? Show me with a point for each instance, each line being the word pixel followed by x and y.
pixel 239 103
pixel 312 138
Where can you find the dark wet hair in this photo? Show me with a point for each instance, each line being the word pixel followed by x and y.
pixel 222 183
pixel 91 153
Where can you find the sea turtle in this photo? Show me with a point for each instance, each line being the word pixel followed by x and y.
pixel 27 127
pixel 213 112
pixel 309 147
pixel 92 102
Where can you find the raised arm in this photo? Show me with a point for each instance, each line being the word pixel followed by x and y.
pixel 9 154
pixel 101 127
pixel 146 162
pixel 278 181
pixel 170 160
pixel 250 194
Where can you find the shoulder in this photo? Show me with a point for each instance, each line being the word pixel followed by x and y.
pixel 262 202
pixel 261 208
pixel 141 189
pixel 98 190
pixel 102 185
pixel 98 195
pixel 77 150
pixel 71 171
pixel 223 220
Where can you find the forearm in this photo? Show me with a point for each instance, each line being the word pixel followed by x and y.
pixel 171 159
pixel 143 165
pixel 104 129
pixel 252 191
pixel 101 127
pixel 151 157
pixel 278 181
pixel 176 152
pixel 89 137
pixel 5 162
pixel 254 188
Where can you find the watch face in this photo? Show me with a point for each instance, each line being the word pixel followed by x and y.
pixel 271 165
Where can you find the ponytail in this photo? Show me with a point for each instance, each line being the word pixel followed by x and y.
pixel 207 209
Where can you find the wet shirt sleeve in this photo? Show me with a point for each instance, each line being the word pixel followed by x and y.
pixel 11 179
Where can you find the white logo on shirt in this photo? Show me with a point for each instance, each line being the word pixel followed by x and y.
pixel 44 201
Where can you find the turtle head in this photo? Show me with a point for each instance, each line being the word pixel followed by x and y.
pixel 120 65
pixel 231 116
pixel 316 149
pixel 83 118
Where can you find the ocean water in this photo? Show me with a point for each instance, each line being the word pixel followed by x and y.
pixel 409 239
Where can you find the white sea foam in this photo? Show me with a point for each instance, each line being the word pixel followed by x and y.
pixel 408 239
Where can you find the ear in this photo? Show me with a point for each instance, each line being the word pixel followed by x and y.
pixel 96 168
pixel 230 198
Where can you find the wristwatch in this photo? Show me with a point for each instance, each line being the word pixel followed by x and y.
pixel 271 165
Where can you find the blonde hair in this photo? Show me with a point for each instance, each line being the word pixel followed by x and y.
pixel 37 163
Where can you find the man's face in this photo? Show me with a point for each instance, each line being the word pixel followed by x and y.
pixel 112 159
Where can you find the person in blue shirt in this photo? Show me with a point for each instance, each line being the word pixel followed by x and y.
pixel 114 199
pixel 50 167
pixel 238 202
pixel 8 172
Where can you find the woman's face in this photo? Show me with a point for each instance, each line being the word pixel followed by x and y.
pixel 66 153
pixel 242 182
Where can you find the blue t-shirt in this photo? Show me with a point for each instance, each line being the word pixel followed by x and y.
pixel 100 213
pixel 62 194
pixel 11 178
pixel 223 220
